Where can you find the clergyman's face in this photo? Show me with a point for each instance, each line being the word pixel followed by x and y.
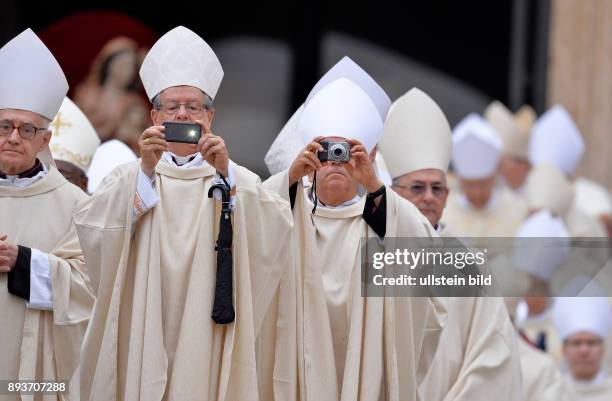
pixel 583 352
pixel 16 153
pixel 334 176
pixel 514 171
pixel 182 95
pixel 426 189
pixel 478 192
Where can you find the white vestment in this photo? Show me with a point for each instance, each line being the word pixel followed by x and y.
pixel 152 336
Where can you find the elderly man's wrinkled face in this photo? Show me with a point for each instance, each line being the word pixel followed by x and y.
pixel 583 352
pixel 478 192
pixel 514 171
pixel 184 104
pixel 18 151
pixel 426 189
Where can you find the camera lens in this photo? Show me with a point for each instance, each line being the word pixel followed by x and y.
pixel 338 152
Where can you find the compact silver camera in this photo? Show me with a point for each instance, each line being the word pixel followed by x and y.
pixel 335 152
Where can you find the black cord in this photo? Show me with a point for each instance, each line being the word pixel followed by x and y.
pixel 224 180
pixel 314 193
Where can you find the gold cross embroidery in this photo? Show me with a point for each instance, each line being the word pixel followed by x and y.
pixel 58 123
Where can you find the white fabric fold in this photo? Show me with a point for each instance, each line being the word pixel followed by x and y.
pixel 41 293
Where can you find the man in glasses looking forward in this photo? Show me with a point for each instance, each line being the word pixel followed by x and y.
pixel 45 297
pixel 477 343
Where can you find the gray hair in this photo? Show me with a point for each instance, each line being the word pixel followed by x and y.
pixel 156 101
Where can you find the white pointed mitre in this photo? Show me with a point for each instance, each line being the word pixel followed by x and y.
pixel 31 77
pixel 178 58
pixel 510 128
pixel 109 155
pixel 341 109
pixel 476 148
pixel 288 143
pixel 347 68
pixel 572 315
pixel 73 138
pixel 555 138
pixel 416 135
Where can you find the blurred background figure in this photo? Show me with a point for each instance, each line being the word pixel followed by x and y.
pixel 477 342
pixel 480 207
pixel 556 140
pixel 541 377
pixel 513 129
pixel 73 143
pixel 541 248
pixel 583 323
pixel 109 95
pixel 109 155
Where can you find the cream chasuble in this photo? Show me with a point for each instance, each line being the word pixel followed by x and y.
pixel 580 224
pixel 598 391
pixel 477 351
pixel 35 344
pixel 542 379
pixel 325 342
pixel 500 219
pixel 152 336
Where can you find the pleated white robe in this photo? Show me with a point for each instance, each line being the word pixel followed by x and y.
pixel 542 379
pixel 477 351
pixel 599 391
pixel 327 342
pixel 152 336
pixel 36 344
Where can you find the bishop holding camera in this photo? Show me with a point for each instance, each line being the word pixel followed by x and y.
pixel 183 249
pixel 341 345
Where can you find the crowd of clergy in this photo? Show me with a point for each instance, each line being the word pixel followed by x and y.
pixel 181 276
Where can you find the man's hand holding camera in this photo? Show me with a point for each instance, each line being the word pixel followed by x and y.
pixel 213 149
pixel 361 168
pixel 152 144
pixel 307 161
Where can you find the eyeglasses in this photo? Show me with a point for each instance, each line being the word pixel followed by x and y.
pixel 26 131
pixel 590 343
pixel 192 108
pixel 437 190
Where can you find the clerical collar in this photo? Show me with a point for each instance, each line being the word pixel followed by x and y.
pixel 308 185
pixel 193 160
pixel 26 178
pixel 356 199
pixel 181 160
pixel 37 168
